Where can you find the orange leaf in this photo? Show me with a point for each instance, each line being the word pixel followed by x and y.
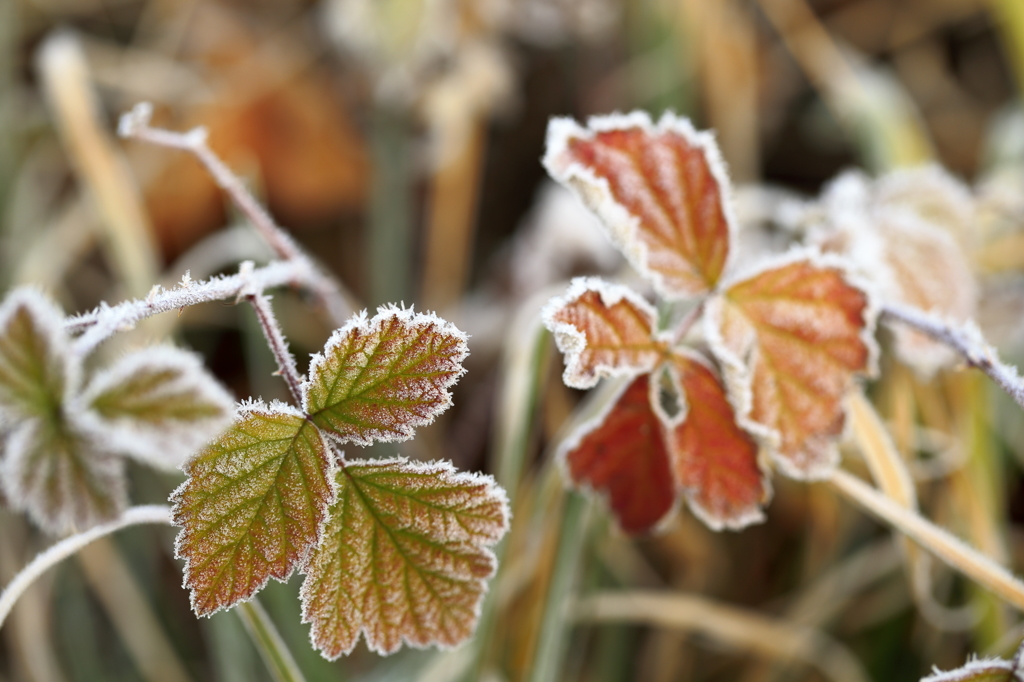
pixel 603 330
pixel 658 189
pixel 623 455
pixel 714 459
pixel 791 338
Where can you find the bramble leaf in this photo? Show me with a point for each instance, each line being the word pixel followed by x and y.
pixel 659 190
pixel 716 461
pixel 978 670
pixel 603 330
pixel 62 478
pixel 622 454
pixel 159 405
pixel 404 556
pixel 379 379
pixel 791 338
pixel 33 357
pixel 253 505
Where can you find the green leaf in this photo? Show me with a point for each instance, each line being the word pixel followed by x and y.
pixel 379 379
pixel 63 479
pixel 159 405
pixel 253 505
pixel 404 557
pixel 978 670
pixel 34 357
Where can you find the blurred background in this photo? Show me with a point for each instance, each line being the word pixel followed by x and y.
pixel 400 142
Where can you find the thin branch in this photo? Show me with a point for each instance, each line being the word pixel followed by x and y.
pixel 728 624
pixel 135 124
pixel 936 540
pixel 105 321
pixel 966 339
pixel 160 514
pixel 277 343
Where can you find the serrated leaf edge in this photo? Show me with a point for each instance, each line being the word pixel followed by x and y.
pixel 364 323
pixel 572 342
pixel 120 438
pixel 247 408
pixel 972 666
pixel 620 226
pixel 437 466
pixel 735 371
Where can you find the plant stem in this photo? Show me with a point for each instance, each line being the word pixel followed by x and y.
pixel 327 290
pixel 965 339
pixel 268 641
pixel 936 540
pixel 278 346
pixel 55 554
pixel 105 321
pixel 391 221
pixel 554 627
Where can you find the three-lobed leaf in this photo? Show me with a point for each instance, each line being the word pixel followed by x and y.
pixel 404 556
pixel 253 505
pixel 380 379
pixel 603 330
pixel 659 190
pixel 159 405
pixel 792 337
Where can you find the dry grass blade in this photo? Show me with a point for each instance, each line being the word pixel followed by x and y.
pixel 727 624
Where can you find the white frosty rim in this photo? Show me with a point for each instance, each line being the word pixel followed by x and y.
pixel 455 477
pixel 620 225
pixel 572 342
pixel 736 370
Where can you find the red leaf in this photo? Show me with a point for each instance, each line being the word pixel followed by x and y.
pixel 623 455
pixel 793 336
pixel 715 461
pixel 658 189
pixel 603 330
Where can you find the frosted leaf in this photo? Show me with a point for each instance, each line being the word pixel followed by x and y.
pixel 660 190
pixel 791 338
pixel 907 233
pixel 714 459
pixel 381 378
pixel 34 357
pixel 978 670
pixel 159 405
pixel 604 330
pixel 404 557
pixel 622 454
pixel 253 505
pixel 64 480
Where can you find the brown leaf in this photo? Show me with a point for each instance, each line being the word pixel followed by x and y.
pixel 715 461
pixel 603 330
pixel 623 455
pixel 659 189
pixel 791 338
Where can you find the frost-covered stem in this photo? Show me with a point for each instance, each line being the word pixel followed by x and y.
pixel 135 124
pixel 105 321
pixel 47 559
pixel 277 343
pixel 268 641
pixel 965 339
pixel 686 324
pixel 936 540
